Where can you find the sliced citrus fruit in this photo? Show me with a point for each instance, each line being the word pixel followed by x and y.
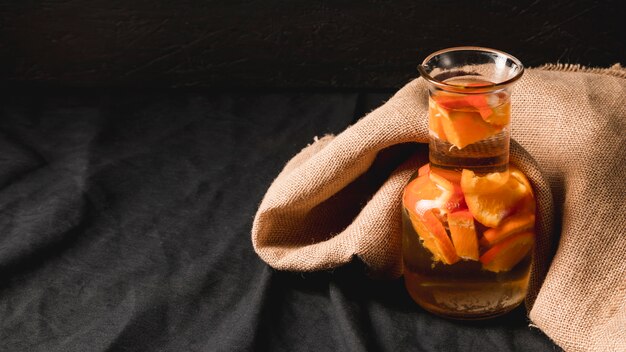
pixel 517 223
pixel 501 115
pixel 419 190
pixel 444 248
pixel 427 240
pixel 425 169
pixel 449 102
pixel 435 127
pixel 491 208
pixel 464 128
pixel 441 181
pixel 521 178
pixel 434 238
pixel 455 200
pixel 479 102
pixel 448 180
pixel 434 121
pixel 474 102
pixel 488 199
pixel 450 175
pixel 432 191
pixel 463 234
pixel 491 182
pixel 506 254
pixel 452 198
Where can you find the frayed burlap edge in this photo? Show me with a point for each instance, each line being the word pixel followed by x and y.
pixel 616 70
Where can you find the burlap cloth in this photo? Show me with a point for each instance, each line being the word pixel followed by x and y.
pixel 329 204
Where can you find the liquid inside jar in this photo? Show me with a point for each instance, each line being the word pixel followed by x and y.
pixel 468 217
pixel 469 131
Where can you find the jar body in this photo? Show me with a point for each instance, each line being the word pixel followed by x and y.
pixel 468 216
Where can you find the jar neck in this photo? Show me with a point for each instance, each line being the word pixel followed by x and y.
pixel 469 131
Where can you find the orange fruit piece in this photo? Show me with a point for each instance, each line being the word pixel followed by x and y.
pixel 430 190
pixel 441 181
pixel 450 102
pixel 452 197
pixel 527 205
pixel 423 194
pixel 520 177
pixel 418 191
pixel 489 199
pixel 434 237
pixel 435 127
pixel 450 175
pixel 434 121
pixel 427 240
pixel 501 115
pixel 514 224
pixel 464 128
pixel 491 208
pixel 463 234
pixel 506 254
pixel 455 200
pixel 480 103
pixel 444 248
pixel 491 182
pixel 474 102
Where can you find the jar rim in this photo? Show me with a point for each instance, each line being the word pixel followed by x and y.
pixel 474 89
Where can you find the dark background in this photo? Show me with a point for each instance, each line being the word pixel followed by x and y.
pixel 354 44
pixel 138 139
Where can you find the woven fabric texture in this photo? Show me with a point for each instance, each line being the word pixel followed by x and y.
pixel 568 137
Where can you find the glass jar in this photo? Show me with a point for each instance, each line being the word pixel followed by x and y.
pixel 468 216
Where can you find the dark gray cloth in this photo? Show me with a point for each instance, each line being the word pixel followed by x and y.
pixel 125 226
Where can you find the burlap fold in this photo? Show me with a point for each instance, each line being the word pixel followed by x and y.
pixel 340 198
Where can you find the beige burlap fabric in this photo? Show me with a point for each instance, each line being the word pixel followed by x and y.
pixel 322 210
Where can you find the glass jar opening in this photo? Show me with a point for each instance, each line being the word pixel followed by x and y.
pixel 487 69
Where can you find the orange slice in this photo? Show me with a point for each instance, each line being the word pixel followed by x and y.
pixel 425 169
pixel 514 224
pixel 435 230
pixel 420 189
pixel 491 208
pixel 506 254
pixel 488 199
pixel 441 181
pixel 474 102
pixel 501 115
pixel 520 177
pixel 434 121
pixel 464 128
pixel 480 103
pixel 455 200
pixel 449 102
pixel 463 234
pixel 434 238
pixel 491 182
pixel 427 240
pixel 423 194
pixel 450 175
pixel 452 197
pixel 435 127
pixel 430 190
